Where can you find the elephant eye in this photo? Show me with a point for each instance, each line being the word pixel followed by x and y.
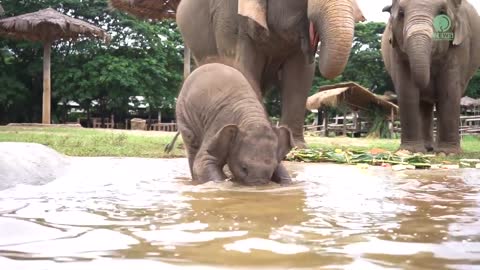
pixel 245 170
pixel 401 13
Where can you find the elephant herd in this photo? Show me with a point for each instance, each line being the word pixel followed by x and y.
pixel 430 49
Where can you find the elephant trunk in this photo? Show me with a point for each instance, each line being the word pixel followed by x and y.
pixel 334 22
pixel 419 35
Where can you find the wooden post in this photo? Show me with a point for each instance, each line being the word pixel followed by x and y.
pixel 344 124
pixel 187 63
pixel 325 119
pixel 355 121
pixel 319 118
pixel 47 91
pixel 392 119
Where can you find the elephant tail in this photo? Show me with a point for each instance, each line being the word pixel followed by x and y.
pixel 169 147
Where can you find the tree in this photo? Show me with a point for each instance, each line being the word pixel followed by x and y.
pixel 473 89
pixel 143 59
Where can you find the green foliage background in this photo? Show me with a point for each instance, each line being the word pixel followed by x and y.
pixel 143 59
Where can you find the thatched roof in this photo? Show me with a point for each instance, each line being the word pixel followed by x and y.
pixel 469 102
pixel 148 9
pixel 350 94
pixel 48 25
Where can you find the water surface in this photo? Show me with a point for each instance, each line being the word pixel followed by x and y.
pixel 108 213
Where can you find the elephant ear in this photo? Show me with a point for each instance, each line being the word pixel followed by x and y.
pixel 255 10
pixel 392 39
pixel 285 141
pixel 222 142
pixel 462 28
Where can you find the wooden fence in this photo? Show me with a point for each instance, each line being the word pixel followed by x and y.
pixel 469 125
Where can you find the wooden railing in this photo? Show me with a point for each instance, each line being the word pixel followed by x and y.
pixel 169 127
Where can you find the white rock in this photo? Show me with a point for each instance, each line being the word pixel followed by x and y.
pixel 29 163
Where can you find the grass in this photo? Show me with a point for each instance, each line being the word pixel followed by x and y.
pixel 122 143
pixel 470 146
pixel 94 143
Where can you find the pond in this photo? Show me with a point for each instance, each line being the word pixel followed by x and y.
pixel 112 213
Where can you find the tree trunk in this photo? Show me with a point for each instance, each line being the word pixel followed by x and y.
pixel 47 94
pixel 392 123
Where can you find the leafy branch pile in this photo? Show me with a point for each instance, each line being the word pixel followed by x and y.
pixel 374 157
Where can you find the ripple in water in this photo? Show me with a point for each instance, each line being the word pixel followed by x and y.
pixel 144 213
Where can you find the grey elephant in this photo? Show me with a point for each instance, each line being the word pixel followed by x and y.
pixel 431 49
pixel 275 41
pixel 222 121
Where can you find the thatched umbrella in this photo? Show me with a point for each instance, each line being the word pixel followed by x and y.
pixel 46 26
pixel 155 10
pixel 468 102
pixel 148 9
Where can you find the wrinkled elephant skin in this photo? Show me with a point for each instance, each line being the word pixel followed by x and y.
pixel 222 121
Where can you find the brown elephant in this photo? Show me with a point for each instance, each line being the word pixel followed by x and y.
pixel 431 49
pixel 222 121
pixel 275 41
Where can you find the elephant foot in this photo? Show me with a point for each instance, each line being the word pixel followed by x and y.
pixel 300 143
pixel 448 149
pixel 429 147
pixel 413 147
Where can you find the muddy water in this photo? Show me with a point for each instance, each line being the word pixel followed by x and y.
pixel 126 213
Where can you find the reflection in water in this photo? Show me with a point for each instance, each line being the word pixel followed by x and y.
pixel 145 213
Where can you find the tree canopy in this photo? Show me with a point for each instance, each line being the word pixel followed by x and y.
pixel 143 59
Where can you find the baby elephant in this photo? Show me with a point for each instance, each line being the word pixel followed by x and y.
pixel 222 121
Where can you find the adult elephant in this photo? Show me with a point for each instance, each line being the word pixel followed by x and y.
pixel 431 49
pixel 275 41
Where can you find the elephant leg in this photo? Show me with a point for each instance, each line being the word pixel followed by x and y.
pixel 409 102
pixel 426 109
pixel 225 27
pixel 448 111
pixel 207 168
pixel 296 82
pixel 281 175
pixel 198 36
pixel 191 154
pixel 251 59
pixel 191 144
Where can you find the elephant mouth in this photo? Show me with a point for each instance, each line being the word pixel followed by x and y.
pixel 314 38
